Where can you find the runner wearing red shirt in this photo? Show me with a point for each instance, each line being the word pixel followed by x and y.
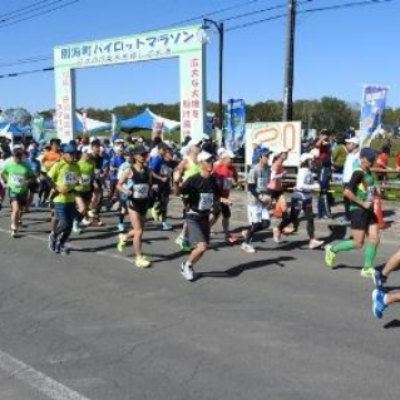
pixel 227 176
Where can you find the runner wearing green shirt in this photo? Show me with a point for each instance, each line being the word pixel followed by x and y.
pixel 17 174
pixel 84 192
pixel 64 178
pixel 360 191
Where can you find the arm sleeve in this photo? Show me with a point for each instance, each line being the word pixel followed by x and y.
pixel 355 180
pixel 252 184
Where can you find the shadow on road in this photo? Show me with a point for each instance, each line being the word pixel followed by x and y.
pixel 392 324
pixel 236 271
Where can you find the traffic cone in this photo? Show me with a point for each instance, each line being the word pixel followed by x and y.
pixel 379 212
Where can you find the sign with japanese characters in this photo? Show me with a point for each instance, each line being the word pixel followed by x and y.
pixel 275 136
pixel 184 43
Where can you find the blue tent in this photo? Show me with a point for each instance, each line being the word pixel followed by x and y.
pixel 146 120
pixel 10 130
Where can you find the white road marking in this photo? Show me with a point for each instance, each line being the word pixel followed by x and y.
pixel 74 247
pixel 37 380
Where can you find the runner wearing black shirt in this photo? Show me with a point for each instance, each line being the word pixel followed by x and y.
pixel 202 191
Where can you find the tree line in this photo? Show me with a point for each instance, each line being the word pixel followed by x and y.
pixel 327 112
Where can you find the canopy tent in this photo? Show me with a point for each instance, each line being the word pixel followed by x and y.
pixel 92 126
pixel 10 130
pixel 147 120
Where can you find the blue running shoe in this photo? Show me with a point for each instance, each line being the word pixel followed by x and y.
pixel 379 279
pixel 378 303
pixel 121 227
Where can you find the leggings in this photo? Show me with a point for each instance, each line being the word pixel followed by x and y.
pixel 297 206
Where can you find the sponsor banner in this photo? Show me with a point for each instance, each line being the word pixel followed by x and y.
pixel 235 124
pixel 275 136
pixel 372 107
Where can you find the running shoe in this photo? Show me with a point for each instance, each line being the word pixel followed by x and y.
pixel 330 256
pixel 314 244
pixel 378 303
pixel 187 272
pixel 247 248
pixel 76 228
pixel 14 233
pixel 86 222
pixel 166 227
pixel 379 279
pixel 179 240
pixel 62 249
pixel 142 262
pixel 276 235
pixel 367 272
pixel 121 242
pixel 154 214
pixel 121 227
pixel 231 238
pixel 52 242
pixel 92 213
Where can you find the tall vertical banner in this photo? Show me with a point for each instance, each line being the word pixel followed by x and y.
pixel 235 124
pixel 38 128
pixel 115 127
pixel 372 107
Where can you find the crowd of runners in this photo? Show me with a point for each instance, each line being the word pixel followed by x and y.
pixel 78 180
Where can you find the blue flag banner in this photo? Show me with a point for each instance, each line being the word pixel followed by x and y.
pixel 235 124
pixel 372 107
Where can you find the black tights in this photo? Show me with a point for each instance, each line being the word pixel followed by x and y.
pixel 296 207
pixel 256 227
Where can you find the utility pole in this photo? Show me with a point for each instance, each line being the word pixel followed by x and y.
pixel 289 63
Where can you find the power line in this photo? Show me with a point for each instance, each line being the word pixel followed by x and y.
pixel 230 29
pixel 22 9
pixel 39 14
pixel 308 11
pixel 30 60
pixel 33 71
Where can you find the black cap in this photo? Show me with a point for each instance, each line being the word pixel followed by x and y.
pixel 368 153
pixel 140 150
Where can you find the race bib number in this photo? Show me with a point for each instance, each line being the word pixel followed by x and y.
pixel 228 183
pixel 17 180
pixel 371 193
pixel 86 179
pixel 262 184
pixel 70 178
pixel 166 171
pixel 141 191
pixel 97 174
pixel 206 201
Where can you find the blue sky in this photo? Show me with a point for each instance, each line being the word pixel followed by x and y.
pixel 336 52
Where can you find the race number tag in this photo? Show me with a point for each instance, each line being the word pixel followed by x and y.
pixel 97 174
pixel 228 183
pixel 141 191
pixel 371 193
pixel 86 179
pixel 17 180
pixel 70 178
pixel 206 201
pixel 262 184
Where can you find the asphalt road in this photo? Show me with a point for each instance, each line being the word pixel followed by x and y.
pixel 274 325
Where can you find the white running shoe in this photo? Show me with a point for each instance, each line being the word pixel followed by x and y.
pixel 314 244
pixel 247 248
pixel 166 227
pixel 187 272
pixel 277 235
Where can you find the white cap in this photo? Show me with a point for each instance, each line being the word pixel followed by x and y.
pixel 206 137
pixel 315 152
pixel 354 140
pixel 221 150
pixel 227 154
pixel 86 150
pixel 306 156
pixel 92 139
pixel 204 156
